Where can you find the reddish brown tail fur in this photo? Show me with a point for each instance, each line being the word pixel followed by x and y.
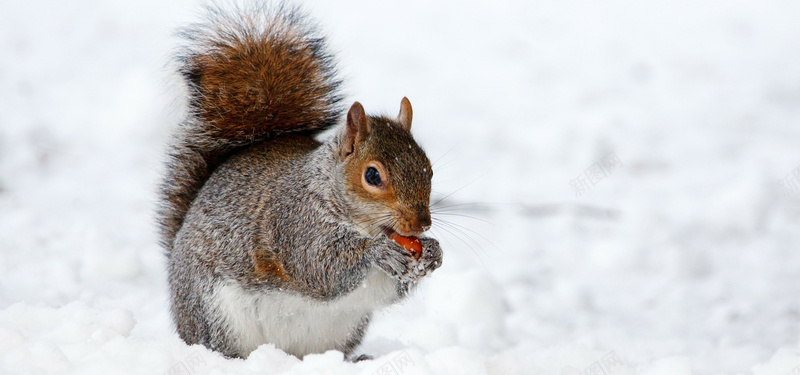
pixel 252 74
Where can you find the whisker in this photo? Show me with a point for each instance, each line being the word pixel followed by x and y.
pixel 467 244
pixel 459 189
pixel 465 228
pixel 465 234
pixel 463 215
pixel 477 204
pixel 442 156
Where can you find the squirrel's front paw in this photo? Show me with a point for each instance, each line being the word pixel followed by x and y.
pixel 401 264
pixel 431 254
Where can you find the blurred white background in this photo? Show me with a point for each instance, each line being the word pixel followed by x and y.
pixel 683 259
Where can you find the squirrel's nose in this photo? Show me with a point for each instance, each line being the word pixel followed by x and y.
pixel 425 221
pixel 422 223
pixel 414 226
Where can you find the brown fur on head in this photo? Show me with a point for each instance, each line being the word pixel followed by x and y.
pixel 381 149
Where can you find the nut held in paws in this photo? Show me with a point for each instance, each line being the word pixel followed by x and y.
pixel 411 244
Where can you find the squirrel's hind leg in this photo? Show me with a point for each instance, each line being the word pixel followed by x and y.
pixel 355 339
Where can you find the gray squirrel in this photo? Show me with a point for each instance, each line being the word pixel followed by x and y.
pixel 270 235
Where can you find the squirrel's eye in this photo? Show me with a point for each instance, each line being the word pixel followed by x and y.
pixel 372 176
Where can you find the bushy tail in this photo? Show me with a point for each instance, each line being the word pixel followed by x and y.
pixel 253 72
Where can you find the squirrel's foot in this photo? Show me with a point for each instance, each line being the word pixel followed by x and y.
pixel 359 358
pixel 401 264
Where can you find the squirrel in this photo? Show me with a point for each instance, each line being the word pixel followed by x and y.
pixel 270 235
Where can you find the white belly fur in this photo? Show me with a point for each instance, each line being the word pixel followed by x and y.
pixel 295 323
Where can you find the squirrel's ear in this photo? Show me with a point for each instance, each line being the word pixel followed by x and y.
pixel 404 118
pixel 355 129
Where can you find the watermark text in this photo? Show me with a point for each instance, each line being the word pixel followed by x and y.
pixel 188 366
pixel 791 183
pixel 397 365
pixel 595 173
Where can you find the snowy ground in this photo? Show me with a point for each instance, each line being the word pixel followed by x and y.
pixel 683 260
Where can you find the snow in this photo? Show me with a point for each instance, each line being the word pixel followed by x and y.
pixel 683 260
